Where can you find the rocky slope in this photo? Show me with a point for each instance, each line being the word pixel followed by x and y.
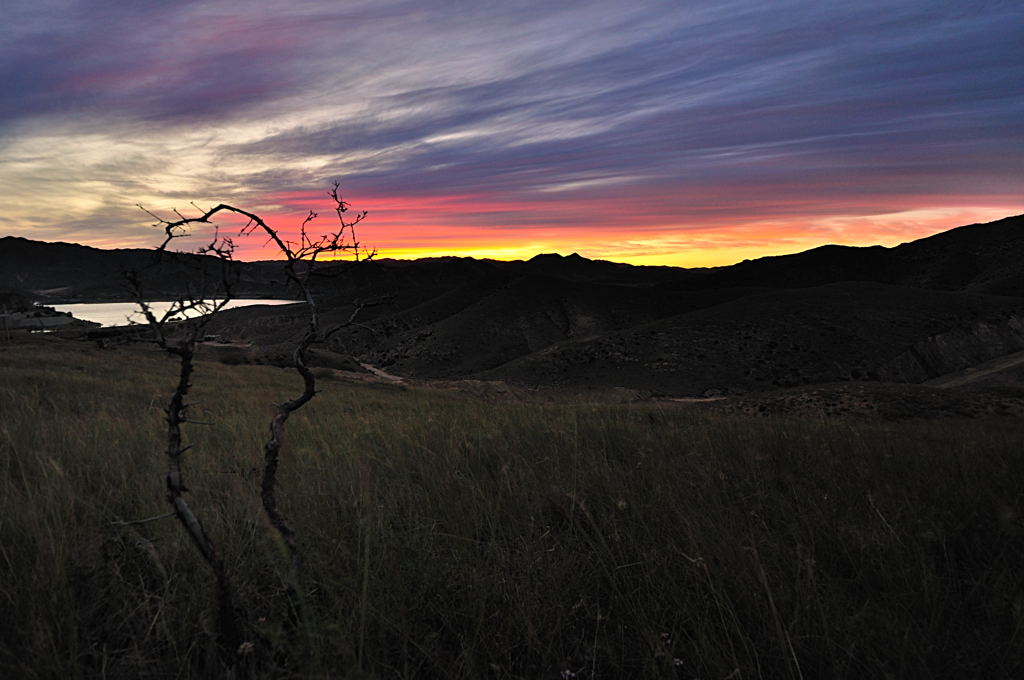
pixel 909 313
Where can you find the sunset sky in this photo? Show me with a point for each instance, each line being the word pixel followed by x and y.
pixel 652 132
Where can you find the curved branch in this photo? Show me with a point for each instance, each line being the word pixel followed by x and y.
pixel 300 261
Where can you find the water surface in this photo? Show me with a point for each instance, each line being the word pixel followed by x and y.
pixel 123 313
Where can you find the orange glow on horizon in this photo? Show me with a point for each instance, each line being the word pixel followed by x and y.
pixel 640 229
pixel 411 228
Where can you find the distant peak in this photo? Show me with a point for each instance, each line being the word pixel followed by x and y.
pixel 575 257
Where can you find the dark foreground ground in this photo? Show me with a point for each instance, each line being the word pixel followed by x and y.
pixel 832 532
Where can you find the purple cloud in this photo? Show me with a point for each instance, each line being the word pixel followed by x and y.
pixel 803 103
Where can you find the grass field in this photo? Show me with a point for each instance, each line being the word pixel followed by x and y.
pixel 446 537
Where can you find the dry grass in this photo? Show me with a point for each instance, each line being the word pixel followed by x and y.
pixel 450 538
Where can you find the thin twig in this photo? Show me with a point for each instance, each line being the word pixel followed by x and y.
pixel 133 522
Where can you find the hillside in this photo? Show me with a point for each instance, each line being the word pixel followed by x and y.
pixel 835 313
pixel 982 258
pixel 68 272
pixel 782 338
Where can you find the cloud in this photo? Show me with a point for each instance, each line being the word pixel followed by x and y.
pixel 512 115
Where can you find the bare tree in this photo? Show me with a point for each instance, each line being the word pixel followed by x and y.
pixel 179 335
pixel 301 258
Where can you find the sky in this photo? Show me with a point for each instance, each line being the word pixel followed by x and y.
pixel 689 133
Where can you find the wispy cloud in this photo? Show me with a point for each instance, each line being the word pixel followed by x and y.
pixel 577 123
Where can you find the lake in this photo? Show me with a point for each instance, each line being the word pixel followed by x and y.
pixel 123 313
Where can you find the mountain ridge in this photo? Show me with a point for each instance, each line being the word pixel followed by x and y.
pixel 831 313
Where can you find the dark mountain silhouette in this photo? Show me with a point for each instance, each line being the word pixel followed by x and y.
pixel 835 313
pixel 983 258
pixel 68 272
pixel 14 300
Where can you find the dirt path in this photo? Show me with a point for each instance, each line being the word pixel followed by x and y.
pixel 976 373
pixel 383 375
pixel 693 400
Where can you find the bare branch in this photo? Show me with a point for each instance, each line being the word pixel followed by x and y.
pixel 178 335
pixel 181 338
pixel 300 265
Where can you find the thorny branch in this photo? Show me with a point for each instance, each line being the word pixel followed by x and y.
pixel 301 259
pixel 180 338
pixel 308 251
